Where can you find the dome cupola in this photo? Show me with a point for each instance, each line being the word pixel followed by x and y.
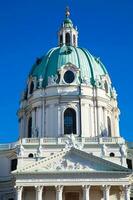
pixel 68 35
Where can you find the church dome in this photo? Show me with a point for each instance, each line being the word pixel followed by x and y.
pixel 90 67
pixel 70 89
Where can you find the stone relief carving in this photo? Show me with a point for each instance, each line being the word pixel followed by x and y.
pixel 65 164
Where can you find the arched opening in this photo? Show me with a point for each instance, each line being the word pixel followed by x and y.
pixel 67 39
pixel 69 121
pixel 31 88
pixel 109 126
pixel 30 127
pixel 61 39
pixel 31 155
pixel 106 86
pixel 112 154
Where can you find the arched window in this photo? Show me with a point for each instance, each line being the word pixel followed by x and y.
pixel 106 86
pixel 69 121
pixel 30 127
pixel 74 39
pixel 31 88
pixel 109 126
pixel 67 39
pixel 61 39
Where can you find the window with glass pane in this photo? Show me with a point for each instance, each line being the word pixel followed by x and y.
pixel 70 121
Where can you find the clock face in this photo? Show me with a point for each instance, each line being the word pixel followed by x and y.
pixel 69 76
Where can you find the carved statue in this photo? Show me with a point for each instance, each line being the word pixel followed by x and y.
pixel 114 94
pixel 35 131
pixel 71 142
pixel 52 80
pixel 20 150
pixel 123 150
pixel 40 82
pixel 104 150
pixel 103 130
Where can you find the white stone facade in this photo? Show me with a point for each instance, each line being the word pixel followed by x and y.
pixel 86 159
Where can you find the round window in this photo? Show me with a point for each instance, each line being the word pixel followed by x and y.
pixel 69 76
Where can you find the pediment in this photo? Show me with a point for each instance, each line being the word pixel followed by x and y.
pixel 72 160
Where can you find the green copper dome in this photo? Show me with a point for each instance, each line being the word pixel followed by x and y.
pixel 68 23
pixel 90 68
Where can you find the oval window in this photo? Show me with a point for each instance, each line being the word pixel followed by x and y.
pixel 69 76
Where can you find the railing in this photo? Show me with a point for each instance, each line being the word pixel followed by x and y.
pixel 8 146
pixel 63 140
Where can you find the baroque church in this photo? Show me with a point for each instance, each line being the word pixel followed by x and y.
pixel 69 145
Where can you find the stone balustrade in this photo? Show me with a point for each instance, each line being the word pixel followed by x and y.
pixel 62 141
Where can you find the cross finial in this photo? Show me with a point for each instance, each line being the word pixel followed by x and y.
pixel 67 11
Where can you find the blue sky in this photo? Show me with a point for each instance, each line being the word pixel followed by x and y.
pixel 28 28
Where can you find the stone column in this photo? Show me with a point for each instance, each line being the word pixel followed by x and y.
pixel 39 190
pixel 59 189
pixel 86 189
pixel 127 192
pixel 106 189
pixel 33 121
pixel 19 190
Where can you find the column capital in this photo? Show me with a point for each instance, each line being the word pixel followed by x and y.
pixel 86 187
pixel 59 188
pixel 19 188
pixel 127 187
pixel 38 188
pixel 105 187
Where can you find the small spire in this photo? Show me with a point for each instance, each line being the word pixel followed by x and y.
pixel 67 11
